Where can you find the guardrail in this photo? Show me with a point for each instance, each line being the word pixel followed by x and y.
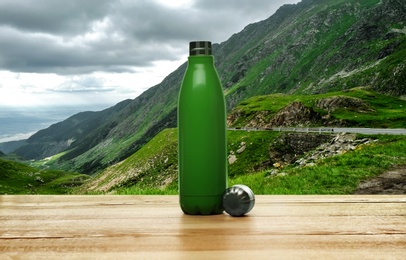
pixel 287 129
pixel 391 131
pixel 305 129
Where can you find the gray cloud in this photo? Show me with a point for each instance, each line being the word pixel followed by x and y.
pixel 80 37
pixel 50 16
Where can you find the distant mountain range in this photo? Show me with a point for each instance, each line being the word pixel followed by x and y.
pixel 315 46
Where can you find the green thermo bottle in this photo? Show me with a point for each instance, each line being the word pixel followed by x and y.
pixel 202 135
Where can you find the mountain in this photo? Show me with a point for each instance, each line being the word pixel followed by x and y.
pixel 60 136
pixel 315 46
pixel 318 46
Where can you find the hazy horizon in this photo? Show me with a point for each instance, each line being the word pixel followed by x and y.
pixel 19 123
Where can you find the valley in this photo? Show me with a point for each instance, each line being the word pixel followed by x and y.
pixel 330 64
pixel 272 161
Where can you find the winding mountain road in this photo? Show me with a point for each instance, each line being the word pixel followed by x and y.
pixel 390 131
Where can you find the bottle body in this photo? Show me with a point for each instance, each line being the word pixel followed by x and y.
pixel 202 138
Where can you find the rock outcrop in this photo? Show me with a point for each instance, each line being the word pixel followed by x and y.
pixel 295 114
pixel 338 145
pixel 333 103
pixel 290 146
pixel 312 148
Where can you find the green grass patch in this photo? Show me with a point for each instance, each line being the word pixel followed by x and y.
pixel 255 154
pixel 336 175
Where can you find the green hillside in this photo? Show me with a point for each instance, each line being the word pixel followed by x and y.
pixel 155 165
pixel 320 46
pixel 339 174
pixel 19 178
pixel 153 168
pixel 254 154
pixel 357 107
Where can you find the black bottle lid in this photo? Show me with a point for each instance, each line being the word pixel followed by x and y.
pixel 238 200
pixel 199 48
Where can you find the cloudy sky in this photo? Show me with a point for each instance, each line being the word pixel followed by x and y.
pixel 81 52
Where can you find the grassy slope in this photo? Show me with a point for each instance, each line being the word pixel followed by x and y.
pixel 154 166
pixel 312 51
pixel 316 52
pixel 335 175
pixel 18 178
pixel 388 111
pixel 153 169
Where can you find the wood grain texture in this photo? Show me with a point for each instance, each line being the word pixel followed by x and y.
pixel 153 227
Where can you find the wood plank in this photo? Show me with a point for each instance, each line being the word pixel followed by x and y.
pixel 106 227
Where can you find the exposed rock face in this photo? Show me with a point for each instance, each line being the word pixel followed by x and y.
pixel 295 114
pixel 290 146
pixel 311 148
pixel 233 117
pixel 333 103
pixel 340 144
pixel 260 120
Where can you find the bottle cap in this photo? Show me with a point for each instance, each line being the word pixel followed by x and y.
pixel 199 48
pixel 238 200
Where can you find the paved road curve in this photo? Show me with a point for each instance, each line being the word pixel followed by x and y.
pixel 393 131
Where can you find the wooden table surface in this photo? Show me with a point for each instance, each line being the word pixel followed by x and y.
pixel 154 227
